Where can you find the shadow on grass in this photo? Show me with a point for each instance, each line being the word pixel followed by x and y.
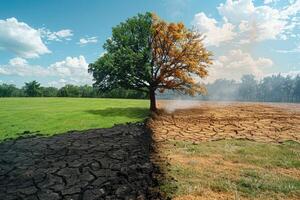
pixel 130 112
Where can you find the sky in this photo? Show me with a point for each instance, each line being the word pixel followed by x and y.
pixel 53 41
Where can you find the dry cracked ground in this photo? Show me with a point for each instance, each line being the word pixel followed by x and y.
pixel 217 121
pixel 96 164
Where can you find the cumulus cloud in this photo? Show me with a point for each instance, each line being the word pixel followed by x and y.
pixel 19 66
pixel 214 34
pixel 3 71
pixel 256 23
pixel 236 64
pixel 58 83
pixel 73 70
pixel 21 39
pixel 247 22
pixel 87 40
pixel 64 34
pixel 292 9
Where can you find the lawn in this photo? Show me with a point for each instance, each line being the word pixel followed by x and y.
pixel 48 116
pixel 233 169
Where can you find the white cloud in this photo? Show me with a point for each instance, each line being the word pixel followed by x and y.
pixel 58 84
pixel 292 9
pixel 56 36
pixel 245 22
pixel 256 23
pixel 74 70
pixel 87 40
pixel 19 66
pixel 21 39
pixel 236 64
pixel 3 71
pixel 214 34
pixel 17 61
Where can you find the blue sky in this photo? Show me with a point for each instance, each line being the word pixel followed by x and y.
pixel 53 41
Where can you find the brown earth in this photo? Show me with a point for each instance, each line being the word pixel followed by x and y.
pixel 215 121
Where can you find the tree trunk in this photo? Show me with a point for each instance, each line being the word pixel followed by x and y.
pixel 152 100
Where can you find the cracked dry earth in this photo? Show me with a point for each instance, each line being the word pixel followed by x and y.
pixel 95 164
pixel 212 121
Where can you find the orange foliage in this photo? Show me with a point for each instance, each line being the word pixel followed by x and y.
pixel 178 57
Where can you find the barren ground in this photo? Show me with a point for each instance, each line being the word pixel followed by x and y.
pixel 216 121
pixel 229 150
pixel 112 163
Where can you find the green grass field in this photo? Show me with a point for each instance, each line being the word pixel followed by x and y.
pixel 48 116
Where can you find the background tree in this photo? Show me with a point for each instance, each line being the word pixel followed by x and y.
pixel 146 54
pixel 69 91
pixel 9 90
pixel 222 89
pixel 296 92
pixel 49 91
pixel 247 89
pixel 32 89
pixel 87 91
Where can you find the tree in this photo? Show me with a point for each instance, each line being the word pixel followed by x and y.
pixel 222 89
pixel 49 91
pixel 247 90
pixel 297 89
pixel 8 90
pixel 69 91
pixel 149 54
pixel 87 91
pixel 32 89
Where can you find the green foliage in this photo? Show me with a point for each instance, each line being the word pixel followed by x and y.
pixel 49 91
pixel 71 91
pixel 9 90
pixel 126 63
pixel 50 116
pixel 32 89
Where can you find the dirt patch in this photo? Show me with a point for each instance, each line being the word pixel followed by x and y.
pixel 209 122
pixel 96 164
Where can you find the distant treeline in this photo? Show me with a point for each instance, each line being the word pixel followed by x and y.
pixel 276 88
pixel 33 89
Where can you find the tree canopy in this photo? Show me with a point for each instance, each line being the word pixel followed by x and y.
pixel 32 89
pixel 147 54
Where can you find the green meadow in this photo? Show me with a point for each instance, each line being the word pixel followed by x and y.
pixel 49 116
